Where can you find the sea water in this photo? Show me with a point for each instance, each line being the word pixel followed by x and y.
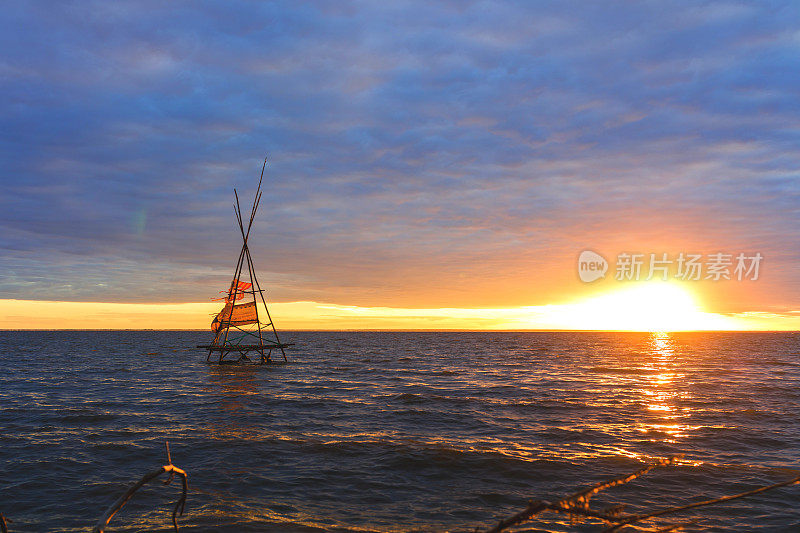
pixel 366 431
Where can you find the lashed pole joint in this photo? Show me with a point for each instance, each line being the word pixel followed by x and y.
pixel 122 500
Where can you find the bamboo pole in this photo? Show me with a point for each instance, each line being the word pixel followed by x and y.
pixel 236 276
pixel 250 266
pixel 246 249
pixel 245 256
pixel 272 323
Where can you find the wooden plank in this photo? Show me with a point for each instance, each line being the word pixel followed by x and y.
pixel 240 347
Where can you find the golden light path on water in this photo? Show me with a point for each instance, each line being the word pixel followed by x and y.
pixel 660 392
pixel 666 395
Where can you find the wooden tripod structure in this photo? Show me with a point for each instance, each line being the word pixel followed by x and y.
pixel 234 316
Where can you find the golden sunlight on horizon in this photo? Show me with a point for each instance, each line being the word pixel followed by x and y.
pixel 654 306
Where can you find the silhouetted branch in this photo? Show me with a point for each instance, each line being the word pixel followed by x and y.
pixel 179 505
pixel 533 509
pixel 675 527
pixel 577 505
pixel 581 499
pixel 632 519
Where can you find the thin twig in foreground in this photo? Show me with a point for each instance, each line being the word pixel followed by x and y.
pixel 675 527
pixel 578 503
pixel 122 500
pixel 582 497
pixel 533 509
pixel 632 519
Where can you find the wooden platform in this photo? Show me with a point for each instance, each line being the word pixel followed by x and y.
pixel 243 347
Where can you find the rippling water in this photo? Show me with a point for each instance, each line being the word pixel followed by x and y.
pixel 395 431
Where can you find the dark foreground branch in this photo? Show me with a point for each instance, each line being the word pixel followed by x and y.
pixel 581 499
pixel 179 505
pixel 675 527
pixel 577 505
pixel 632 519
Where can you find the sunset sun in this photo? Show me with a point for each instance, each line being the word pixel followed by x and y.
pixel 655 306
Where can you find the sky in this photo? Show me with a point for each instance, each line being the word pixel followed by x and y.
pixel 429 164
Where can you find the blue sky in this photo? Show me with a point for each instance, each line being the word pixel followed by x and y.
pixel 456 153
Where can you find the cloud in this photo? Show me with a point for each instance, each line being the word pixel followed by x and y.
pixel 451 154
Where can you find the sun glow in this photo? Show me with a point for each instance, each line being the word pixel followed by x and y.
pixel 656 306
pixel 659 306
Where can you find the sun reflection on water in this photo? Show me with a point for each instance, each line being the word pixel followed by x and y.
pixel 662 391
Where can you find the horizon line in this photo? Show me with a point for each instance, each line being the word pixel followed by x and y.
pixel 601 314
pixel 430 330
